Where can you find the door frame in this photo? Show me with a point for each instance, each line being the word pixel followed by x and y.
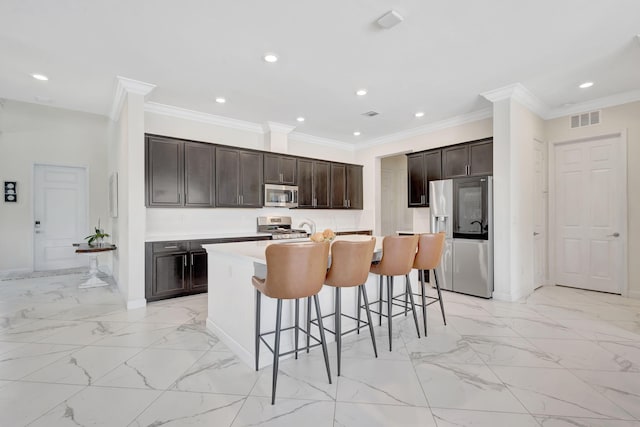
pixel 546 226
pixel 87 209
pixel 622 135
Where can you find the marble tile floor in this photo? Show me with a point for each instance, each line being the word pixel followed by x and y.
pixel 562 357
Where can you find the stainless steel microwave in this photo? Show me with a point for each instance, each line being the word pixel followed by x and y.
pixel 282 196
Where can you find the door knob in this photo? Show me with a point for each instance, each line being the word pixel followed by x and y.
pixel 535 233
pixel 616 234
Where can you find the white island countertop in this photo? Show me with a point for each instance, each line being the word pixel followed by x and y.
pixel 204 236
pixel 256 250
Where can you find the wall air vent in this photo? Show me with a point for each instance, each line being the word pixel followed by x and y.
pixel 370 113
pixel 585 119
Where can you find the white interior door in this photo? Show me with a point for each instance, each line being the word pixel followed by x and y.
pixel 60 215
pixel 540 205
pixel 590 214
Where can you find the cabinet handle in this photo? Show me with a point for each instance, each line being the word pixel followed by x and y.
pixel 281 177
pixel 192 259
pixel 184 257
pixel 348 203
pixel 468 170
pixel 171 247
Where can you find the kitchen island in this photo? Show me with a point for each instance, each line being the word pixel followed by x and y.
pixel 232 298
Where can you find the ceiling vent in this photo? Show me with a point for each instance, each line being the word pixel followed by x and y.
pixel 370 113
pixel 585 119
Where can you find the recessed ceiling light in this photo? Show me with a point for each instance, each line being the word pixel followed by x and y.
pixel 361 92
pixel 356 133
pixel 419 114
pixel 270 57
pixel 300 119
pixel 221 100
pixel 41 77
pixel 586 85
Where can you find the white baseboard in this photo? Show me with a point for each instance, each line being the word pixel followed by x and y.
pixel 136 303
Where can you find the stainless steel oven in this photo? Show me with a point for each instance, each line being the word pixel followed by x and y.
pixel 282 196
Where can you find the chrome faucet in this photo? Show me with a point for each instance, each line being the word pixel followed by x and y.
pixel 310 223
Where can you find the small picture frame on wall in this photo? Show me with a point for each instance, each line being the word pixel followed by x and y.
pixel 11 191
pixel 113 195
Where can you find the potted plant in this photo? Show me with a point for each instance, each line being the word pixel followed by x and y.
pixel 97 237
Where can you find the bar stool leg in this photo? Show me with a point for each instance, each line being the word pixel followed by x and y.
pixel 338 325
pixel 358 313
pixel 424 304
pixel 380 303
pixel 322 338
pixel 257 327
pixel 439 296
pixel 413 304
pixel 297 313
pixel 276 352
pixel 308 322
pixel 363 289
pixel 389 306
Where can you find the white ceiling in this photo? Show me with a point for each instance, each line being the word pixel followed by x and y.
pixel 439 60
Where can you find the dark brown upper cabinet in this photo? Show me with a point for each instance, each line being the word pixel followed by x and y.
pixel 469 159
pixel 179 173
pixel 280 169
pixel 239 178
pixel 346 186
pixel 313 184
pixel 422 168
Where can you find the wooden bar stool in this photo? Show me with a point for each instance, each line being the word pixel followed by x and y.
pixel 430 247
pixel 350 263
pixel 294 270
pixel 398 253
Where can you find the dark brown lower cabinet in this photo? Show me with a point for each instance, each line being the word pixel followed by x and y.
pixel 179 268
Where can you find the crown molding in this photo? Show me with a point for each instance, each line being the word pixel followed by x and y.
pixel 519 93
pixel 277 127
pixel 595 104
pixel 474 116
pixel 125 86
pixel 327 142
pixel 183 113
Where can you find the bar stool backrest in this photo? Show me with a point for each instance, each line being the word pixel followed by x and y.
pixel 295 270
pixel 350 262
pixel 430 247
pixel 398 253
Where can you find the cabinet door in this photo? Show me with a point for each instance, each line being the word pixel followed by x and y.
pixel 288 170
pixel 305 183
pixel 455 161
pixel 481 158
pixel 354 187
pixel 272 169
pixel 164 172
pixel 227 177
pixel 198 174
pixel 251 179
pixel 169 274
pixel 417 192
pixel 321 184
pixel 338 186
pixel 199 278
pixel 433 170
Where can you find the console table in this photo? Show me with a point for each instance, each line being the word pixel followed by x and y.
pixel 92 251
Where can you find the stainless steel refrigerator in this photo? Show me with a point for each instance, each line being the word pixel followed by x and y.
pixel 463 209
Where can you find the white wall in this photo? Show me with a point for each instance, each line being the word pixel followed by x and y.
pixel 31 134
pixel 615 119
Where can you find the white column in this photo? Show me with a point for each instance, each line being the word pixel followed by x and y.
pixel 131 224
pixel 515 125
pixel 276 137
